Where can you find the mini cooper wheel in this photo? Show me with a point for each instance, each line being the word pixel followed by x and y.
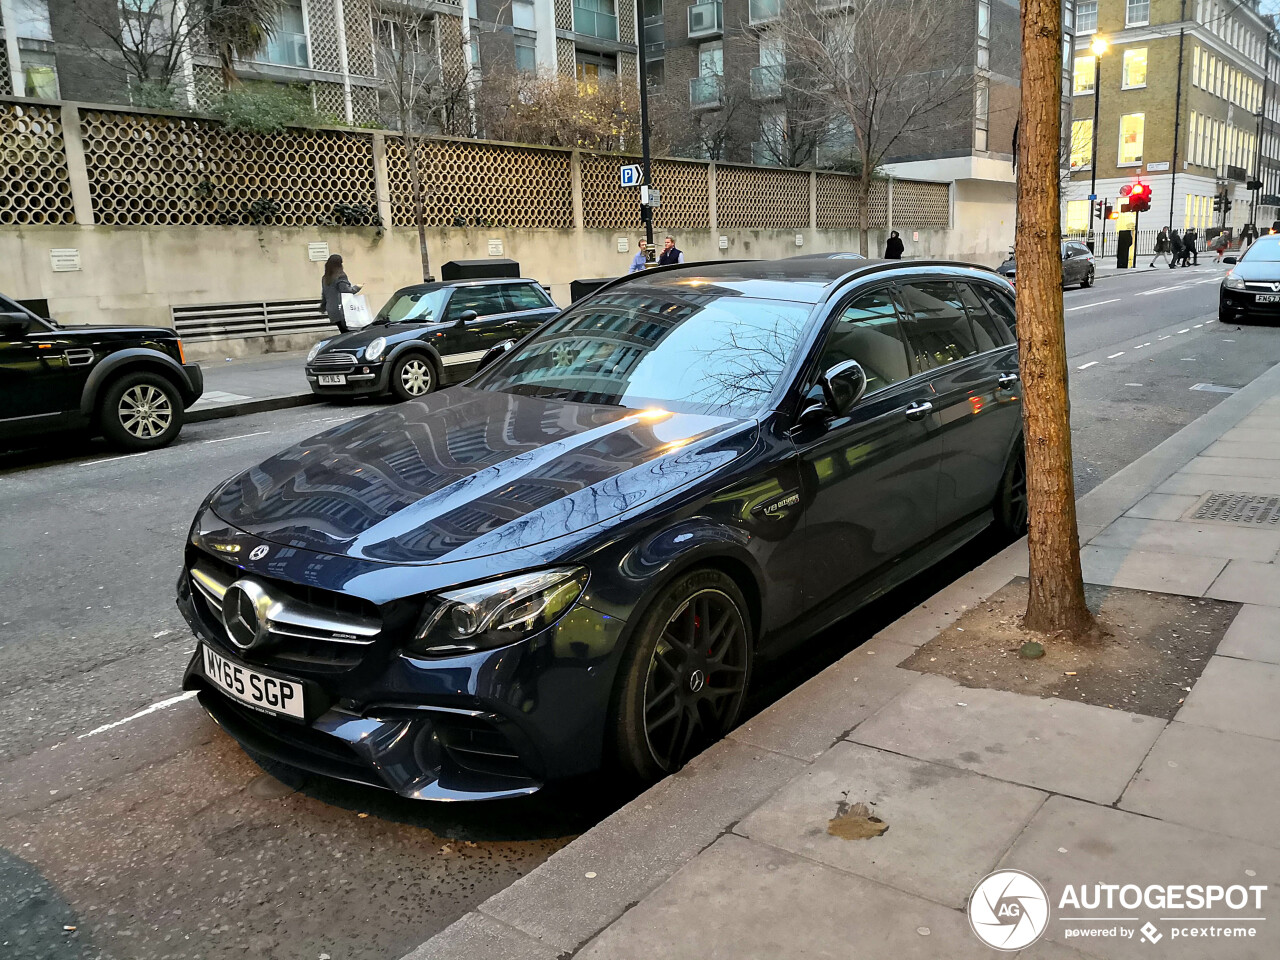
pixel 1011 500
pixel 141 411
pixel 412 376
pixel 684 676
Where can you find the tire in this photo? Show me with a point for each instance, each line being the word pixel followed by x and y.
pixel 1087 282
pixel 140 411
pixel 1010 507
pixel 661 666
pixel 413 375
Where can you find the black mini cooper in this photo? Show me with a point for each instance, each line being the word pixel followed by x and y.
pixel 426 336
pixel 578 557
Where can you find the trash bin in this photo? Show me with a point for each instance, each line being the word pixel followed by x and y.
pixel 487 269
pixel 582 288
pixel 1124 243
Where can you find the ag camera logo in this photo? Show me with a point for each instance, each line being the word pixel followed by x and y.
pixel 1008 910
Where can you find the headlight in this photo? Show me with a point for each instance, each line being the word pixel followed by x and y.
pixel 374 350
pixel 496 613
pixel 1233 282
pixel 311 354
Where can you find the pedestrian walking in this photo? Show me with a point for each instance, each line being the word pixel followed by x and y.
pixel 1163 247
pixel 333 285
pixel 893 247
pixel 1189 253
pixel 641 260
pixel 1176 248
pixel 1220 244
pixel 670 253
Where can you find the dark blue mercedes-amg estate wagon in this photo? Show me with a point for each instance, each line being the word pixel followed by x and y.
pixel 574 559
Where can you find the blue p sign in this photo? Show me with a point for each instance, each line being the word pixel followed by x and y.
pixel 632 175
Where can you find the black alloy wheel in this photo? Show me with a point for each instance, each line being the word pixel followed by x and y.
pixel 1011 501
pixel 685 676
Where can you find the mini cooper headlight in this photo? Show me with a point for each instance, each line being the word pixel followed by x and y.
pixel 493 614
pixel 1233 282
pixel 374 350
pixel 311 354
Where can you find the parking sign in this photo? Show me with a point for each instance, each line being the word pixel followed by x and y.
pixel 632 175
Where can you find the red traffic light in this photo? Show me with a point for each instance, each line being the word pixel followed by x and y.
pixel 1139 189
pixel 1126 190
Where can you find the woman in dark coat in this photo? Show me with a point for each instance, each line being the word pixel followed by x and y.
pixel 332 287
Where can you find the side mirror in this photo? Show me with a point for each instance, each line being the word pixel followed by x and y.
pixel 466 316
pixel 1230 259
pixel 843 386
pixel 493 353
pixel 14 324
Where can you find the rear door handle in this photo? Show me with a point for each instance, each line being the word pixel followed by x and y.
pixel 918 411
pixel 1007 380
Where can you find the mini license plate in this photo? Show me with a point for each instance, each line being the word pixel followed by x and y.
pixel 1268 298
pixel 262 691
pixel 333 379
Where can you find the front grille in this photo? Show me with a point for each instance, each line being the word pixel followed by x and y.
pixel 1262 286
pixel 307 626
pixel 476 746
pixel 336 359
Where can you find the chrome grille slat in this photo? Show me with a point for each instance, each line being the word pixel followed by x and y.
pixel 333 359
pixel 322 637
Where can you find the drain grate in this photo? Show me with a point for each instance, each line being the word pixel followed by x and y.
pixel 1248 508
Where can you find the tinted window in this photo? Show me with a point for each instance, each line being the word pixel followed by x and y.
pixel 413 307
pixel 998 303
pixel 936 324
pixel 485 301
pixel 986 330
pixel 526 296
pixel 685 351
pixel 867 331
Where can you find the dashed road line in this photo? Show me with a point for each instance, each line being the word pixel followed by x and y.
pixel 127 456
pixel 260 433
pixel 1086 306
pixel 1185 330
pixel 1114 355
pixel 1086 366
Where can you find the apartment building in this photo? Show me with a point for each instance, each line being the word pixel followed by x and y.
pixel 1180 92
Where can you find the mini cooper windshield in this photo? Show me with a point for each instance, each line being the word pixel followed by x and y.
pixel 701 351
pixel 413 307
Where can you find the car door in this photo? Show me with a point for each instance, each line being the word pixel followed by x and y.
pixel 1073 265
pixel 527 308
pixel 463 344
pixel 33 372
pixel 973 368
pixel 870 478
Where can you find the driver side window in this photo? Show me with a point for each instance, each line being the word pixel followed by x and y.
pixel 867 330
pixel 485 301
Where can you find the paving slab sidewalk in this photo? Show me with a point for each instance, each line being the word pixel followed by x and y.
pixel 732 858
pixel 240 385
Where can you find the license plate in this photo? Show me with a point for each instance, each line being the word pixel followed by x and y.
pixel 1268 298
pixel 262 691
pixel 333 379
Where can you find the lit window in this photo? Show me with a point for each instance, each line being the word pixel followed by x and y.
pixel 1081 143
pixel 1082 81
pixel 1136 12
pixel 1087 16
pixel 1131 128
pixel 1135 68
pixel 1077 217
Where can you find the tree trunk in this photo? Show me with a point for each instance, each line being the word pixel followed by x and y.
pixel 415 183
pixel 864 209
pixel 1056 600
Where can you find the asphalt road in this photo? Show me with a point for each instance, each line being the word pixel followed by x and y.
pixel 127 815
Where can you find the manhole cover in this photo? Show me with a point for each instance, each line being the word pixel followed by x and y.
pixel 1248 508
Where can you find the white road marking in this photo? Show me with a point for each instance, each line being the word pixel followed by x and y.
pixel 1165 337
pixel 242 436
pixel 1086 306
pixel 1133 384
pixel 1086 366
pixel 141 713
pixel 1198 326
pixel 127 456
pixel 1114 355
pixel 1185 330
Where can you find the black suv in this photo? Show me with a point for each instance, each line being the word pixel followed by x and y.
pixel 131 384
pixel 427 335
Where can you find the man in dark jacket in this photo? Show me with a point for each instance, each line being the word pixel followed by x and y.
pixel 1163 248
pixel 670 253
pixel 1189 253
pixel 1175 243
pixel 893 248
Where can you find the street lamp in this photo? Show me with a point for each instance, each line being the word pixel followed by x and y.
pixel 1099 47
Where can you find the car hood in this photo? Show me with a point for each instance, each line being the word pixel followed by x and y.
pixel 1257 270
pixel 468 473
pixel 394 332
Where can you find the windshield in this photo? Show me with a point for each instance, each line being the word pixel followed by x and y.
pixel 1264 250
pixel 704 350
pixel 406 307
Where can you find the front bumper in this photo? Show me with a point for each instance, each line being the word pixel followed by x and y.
pixel 195 381
pixel 487 725
pixel 1243 305
pixel 362 379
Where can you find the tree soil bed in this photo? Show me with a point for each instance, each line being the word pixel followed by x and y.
pixel 1153 647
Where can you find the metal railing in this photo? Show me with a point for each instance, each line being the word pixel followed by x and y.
pixel 595 23
pixel 706 19
pixel 219 321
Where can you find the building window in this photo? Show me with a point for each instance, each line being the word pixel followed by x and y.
pixel 1087 16
pixel 981 112
pixel 761 11
pixel 1077 218
pixel 288 43
pixel 39 75
pixel 592 68
pixel 1136 12
pixel 595 18
pixel 1131 128
pixel 31 20
pixel 474 47
pixel 1081 143
pixel 1135 68
pixel 984 20
pixel 1082 75
pixel 522 15
pixel 526 55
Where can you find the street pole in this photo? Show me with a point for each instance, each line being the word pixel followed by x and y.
pixel 1262 110
pixel 1093 160
pixel 646 211
pixel 1177 122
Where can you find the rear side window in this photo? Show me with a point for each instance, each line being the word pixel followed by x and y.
pixel 485 301
pixel 998 303
pixel 526 296
pixel 936 323
pixel 867 331
pixel 988 333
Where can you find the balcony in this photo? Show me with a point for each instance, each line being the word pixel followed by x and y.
pixel 764 11
pixel 766 81
pixel 595 23
pixel 706 92
pixel 706 19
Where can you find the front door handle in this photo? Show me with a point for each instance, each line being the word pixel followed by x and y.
pixel 512 323
pixel 1007 380
pixel 918 411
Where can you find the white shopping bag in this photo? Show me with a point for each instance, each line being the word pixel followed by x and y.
pixel 356 311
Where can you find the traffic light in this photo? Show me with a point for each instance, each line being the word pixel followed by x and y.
pixel 1253 185
pixel 1098 209
pixel 1140 197
pixel 1227 202
pixel 1217 203
pixel 1111 214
